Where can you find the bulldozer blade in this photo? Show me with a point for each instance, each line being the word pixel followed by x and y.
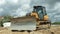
pixel 24 23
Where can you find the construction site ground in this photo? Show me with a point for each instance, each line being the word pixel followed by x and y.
pixel 55 29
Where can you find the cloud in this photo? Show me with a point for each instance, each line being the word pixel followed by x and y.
pixel 57 16
pixel 1 9
pixel 23 9
pixel 12 1
pixel 25 1
pixel 2 2
pixel 15 1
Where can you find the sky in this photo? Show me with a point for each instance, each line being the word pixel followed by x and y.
pixel 19 8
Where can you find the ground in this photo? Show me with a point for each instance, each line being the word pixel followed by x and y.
pixel 55 29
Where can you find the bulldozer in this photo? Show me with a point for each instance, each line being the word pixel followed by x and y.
pixel 35 20
pixel 39 12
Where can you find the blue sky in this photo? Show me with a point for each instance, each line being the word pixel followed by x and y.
pixel 19 8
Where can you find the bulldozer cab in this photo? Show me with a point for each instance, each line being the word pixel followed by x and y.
pixel 40 10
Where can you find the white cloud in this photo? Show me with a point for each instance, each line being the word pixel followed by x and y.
pixel 25 6
pixel 19 13
pixel 25 1
pixel 2 1
pixel 12 1
pixel 1 9
pixel 15 1
pixel 57 16
pixel 57 6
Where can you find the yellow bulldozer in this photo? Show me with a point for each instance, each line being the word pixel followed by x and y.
pixel 39 12
pixel 35 20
